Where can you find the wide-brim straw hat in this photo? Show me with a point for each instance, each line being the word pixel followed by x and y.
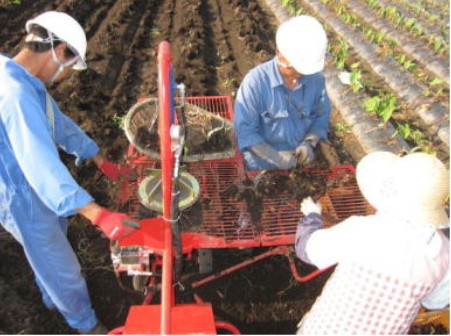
pixel 371 172
pixel 412 188
pixel 416 189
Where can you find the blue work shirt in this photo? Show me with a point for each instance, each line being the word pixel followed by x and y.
pixel 266 110
pixel 30 167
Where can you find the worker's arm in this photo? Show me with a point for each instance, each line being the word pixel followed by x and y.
pixel 34 150
pixel 112 170
pixel 73 140
pixel 307 226
pixel 320 246
pixel 114 225
pixel 246 114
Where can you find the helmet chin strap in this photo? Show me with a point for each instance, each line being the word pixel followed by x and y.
pixel 61 65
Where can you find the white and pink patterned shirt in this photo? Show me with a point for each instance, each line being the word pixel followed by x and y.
pixel 386 270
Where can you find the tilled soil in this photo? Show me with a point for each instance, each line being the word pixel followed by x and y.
pixel 214 43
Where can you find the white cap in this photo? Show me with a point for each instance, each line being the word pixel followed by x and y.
pixel 66 28
pixel 303 42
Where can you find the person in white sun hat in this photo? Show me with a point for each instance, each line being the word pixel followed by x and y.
pixel 387 264
pixel 282 109
pixel 37 192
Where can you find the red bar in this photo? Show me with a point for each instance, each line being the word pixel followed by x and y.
pixel 164 95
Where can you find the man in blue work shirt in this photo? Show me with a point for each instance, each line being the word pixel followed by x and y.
pixel 37 192
pixel 282 108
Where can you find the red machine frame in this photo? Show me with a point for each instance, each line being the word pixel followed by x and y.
pixel 224 222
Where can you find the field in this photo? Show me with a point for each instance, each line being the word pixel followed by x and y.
pixel 396 55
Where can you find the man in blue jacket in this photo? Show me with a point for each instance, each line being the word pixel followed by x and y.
pixel 282 108
pixel 37 192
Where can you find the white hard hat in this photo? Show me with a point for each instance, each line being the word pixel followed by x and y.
pixel 66 28
pixel 303 42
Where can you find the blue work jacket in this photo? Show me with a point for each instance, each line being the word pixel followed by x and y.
pixel 266 110
pixel 31 171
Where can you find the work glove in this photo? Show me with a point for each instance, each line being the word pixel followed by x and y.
pixel 116 172
pixel 305 153
pixel 115 225
pixel 278 159
pixel 308 206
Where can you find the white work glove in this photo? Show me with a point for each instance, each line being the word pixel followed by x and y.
pixel 308 206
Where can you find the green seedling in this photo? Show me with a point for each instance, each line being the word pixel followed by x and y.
pixel 341 53
pixel 379 37
pixel 342 128
pixel 293 7
pixel 155 32
pixel 405 62
pixel 436 81
pixel 383 106
pixel 404 130
pixel 409 23
pixel 417 29
pixel 369 34
pixel 409 65
pixel 228 82
pixel 438 46
pixel 118 121
pixel 341 9
pixel 356 80
pixel 373 3
pixel 417 137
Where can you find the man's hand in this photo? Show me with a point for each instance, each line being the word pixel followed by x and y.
pixel 116 172
pixel 305 153
pixel 308 206
pixel 115 225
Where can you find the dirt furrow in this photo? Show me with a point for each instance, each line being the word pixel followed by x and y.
pixel 15 18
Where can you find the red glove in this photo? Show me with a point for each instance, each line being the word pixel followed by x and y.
pixel 115 225
pixel 116 172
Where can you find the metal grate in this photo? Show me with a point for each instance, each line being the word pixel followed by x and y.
pixel 223 221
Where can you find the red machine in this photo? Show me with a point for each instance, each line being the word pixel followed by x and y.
pixel 153 254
